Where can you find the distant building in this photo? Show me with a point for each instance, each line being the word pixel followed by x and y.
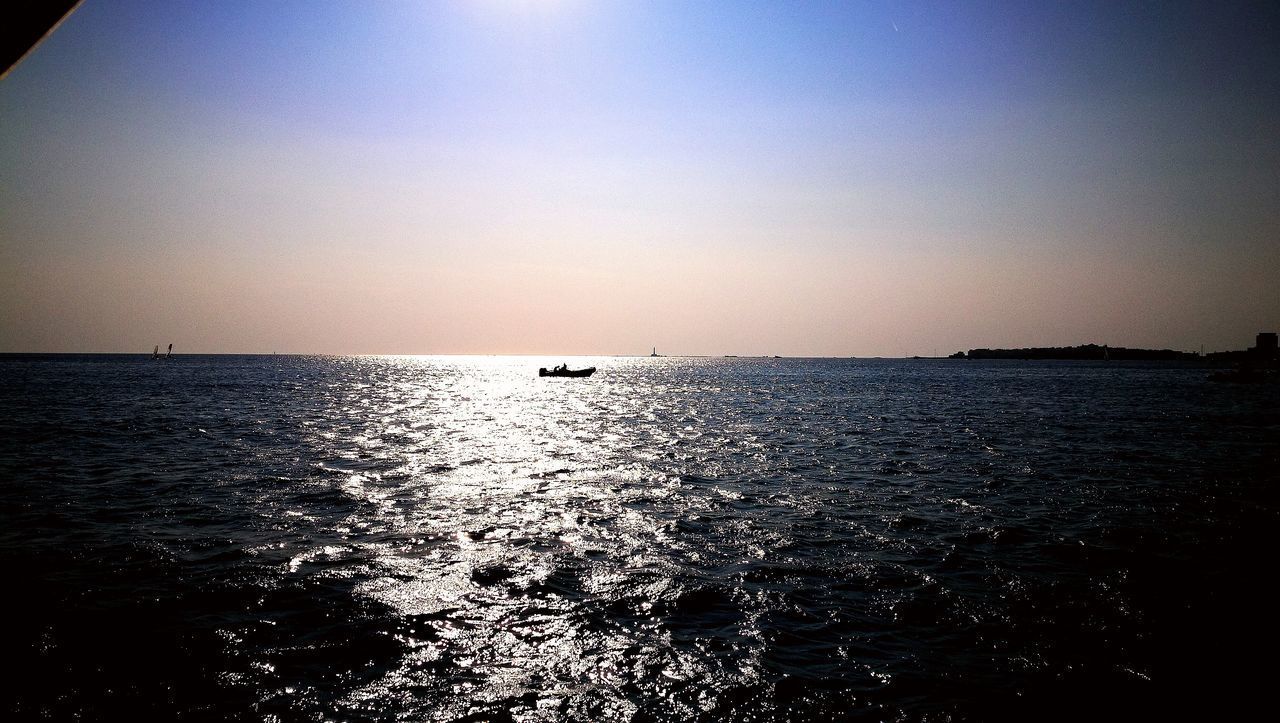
pixel 1266 344
pixel 1264 350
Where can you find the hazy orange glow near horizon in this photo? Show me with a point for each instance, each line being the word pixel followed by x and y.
pixel 870 179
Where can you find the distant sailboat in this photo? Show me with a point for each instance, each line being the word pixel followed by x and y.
pixel 155 353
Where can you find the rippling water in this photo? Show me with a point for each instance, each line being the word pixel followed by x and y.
pixel 379 538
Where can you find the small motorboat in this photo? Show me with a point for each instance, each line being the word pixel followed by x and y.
pixel 566 372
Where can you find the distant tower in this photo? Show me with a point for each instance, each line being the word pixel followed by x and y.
pixel 655 351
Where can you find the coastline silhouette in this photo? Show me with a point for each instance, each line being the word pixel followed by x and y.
pixel 1098 352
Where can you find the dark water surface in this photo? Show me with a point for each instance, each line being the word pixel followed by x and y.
pixel 331 538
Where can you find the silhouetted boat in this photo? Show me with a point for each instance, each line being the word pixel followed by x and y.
pixel 557 372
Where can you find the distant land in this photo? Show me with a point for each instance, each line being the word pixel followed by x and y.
pixel 1264 350
pixel 1084 351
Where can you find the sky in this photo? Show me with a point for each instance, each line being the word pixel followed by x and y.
pixel 859 178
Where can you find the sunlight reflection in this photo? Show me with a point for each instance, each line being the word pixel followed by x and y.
pixel 500 513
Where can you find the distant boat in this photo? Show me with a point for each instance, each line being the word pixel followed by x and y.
pixel 155 353
pixel 565 372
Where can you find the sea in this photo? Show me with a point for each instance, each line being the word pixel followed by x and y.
pixel 331 538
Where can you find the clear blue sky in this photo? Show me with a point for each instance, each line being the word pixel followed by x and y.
pixel 563 176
